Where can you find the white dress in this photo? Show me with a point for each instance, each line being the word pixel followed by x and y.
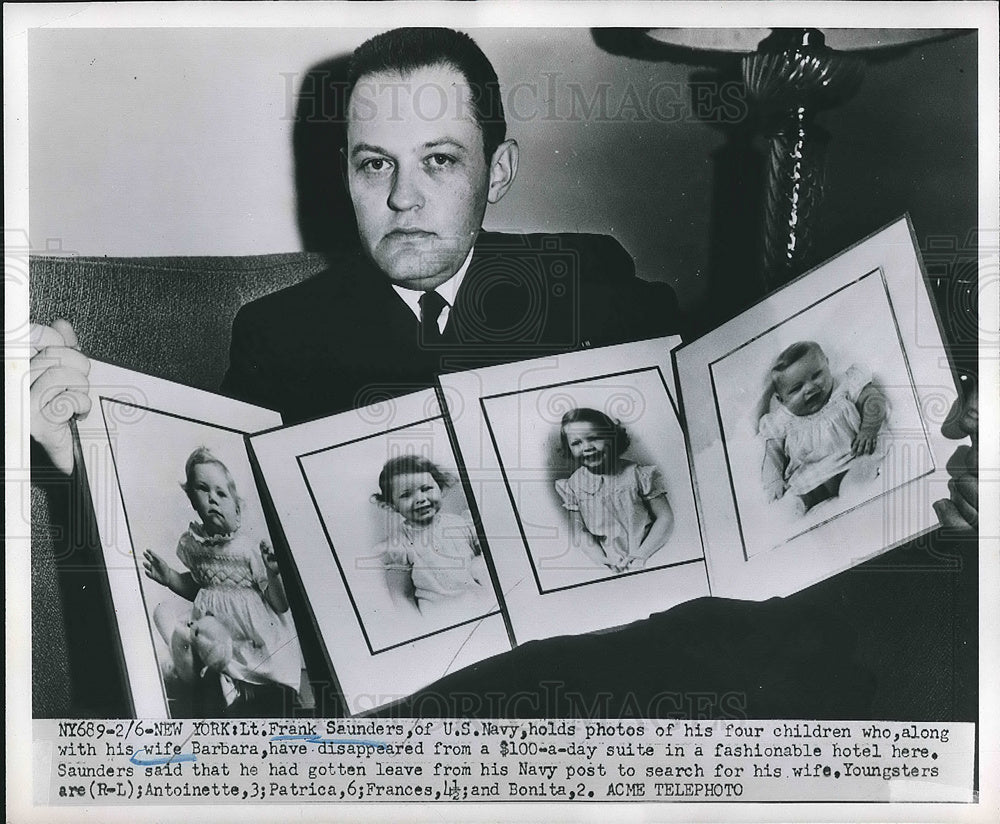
pixel 818 446
pixel 613 507
pixel 232 579
pixel 443 560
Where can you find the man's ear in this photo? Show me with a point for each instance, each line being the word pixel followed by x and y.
pixel 503 168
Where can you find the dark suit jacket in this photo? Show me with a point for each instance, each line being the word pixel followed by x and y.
pixel 344 338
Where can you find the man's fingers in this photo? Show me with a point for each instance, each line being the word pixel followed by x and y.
pixel 59 357
pixel 950 518
pixel 40 337
pixel 65 406
pixel 64 328
pixel 57 383
pixel 965 490
pixel 963 461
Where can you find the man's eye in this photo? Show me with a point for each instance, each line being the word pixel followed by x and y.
pixel 373 165
pixel 440 160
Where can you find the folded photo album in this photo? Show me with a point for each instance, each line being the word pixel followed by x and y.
pixel 562 495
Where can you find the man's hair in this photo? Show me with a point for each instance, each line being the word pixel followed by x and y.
pixel 405 50
pixel 408 464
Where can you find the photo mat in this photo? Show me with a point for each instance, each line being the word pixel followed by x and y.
pixel 535 464
pixel 322 478
pixel 343 485
pixel 134 446
pixel 507 421
pixel 866 348
pixel 870 306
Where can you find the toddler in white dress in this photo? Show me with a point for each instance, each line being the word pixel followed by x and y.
pixel 619 512
pixel 432 559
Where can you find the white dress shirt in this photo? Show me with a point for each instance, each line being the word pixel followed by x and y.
pixel 447 290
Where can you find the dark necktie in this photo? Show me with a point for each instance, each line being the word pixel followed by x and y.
pixel 431 306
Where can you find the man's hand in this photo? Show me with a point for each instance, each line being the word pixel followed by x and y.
pixel 961 511
pixel 59 390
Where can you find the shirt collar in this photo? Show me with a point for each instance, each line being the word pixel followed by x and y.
pixel 448 290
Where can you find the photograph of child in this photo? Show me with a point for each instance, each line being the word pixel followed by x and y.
pixel 821 431
pixel 597 472
pixel 224 636
pixel 619 511
pixel 829 422
pixel 402 534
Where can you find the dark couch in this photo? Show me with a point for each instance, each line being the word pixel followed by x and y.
pixel 892 639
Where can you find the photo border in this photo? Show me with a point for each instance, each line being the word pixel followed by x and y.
pixel 356 668
pixel 510 493
pixel 98 461
pixel 892 251
pixel 336 557
pixel 909 372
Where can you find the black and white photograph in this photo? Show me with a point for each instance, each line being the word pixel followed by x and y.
pixel 597 472
pixel 375 509
pixel 402 254
pixel 402 533
pixel 580 469
pixel 818 417
pixel 210 581
pixel 830 422
pixel 203 617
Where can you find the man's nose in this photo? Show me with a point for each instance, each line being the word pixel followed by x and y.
pixel 405 193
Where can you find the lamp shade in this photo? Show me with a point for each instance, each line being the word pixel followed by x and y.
pixel 747 40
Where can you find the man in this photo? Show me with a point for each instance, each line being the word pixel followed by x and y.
pixel 428 292
pixel 431 292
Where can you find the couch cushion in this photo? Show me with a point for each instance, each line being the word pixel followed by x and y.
pixel 169 317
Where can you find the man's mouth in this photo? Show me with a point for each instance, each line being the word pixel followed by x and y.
pixel 408 234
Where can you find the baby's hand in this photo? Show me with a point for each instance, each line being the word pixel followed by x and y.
pixel 775 489
pixel 155 567
pixel 268 557
pixel 864 442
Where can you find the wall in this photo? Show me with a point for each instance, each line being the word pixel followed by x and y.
pixel 180 142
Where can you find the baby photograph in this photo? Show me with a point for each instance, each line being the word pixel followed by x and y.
pixel 597 474
pixel 215 602
pixel 401 531
pixel 819 415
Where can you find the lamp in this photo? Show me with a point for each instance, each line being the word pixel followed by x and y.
pixel 789 76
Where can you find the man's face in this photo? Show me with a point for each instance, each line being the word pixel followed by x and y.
pixel 417 173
